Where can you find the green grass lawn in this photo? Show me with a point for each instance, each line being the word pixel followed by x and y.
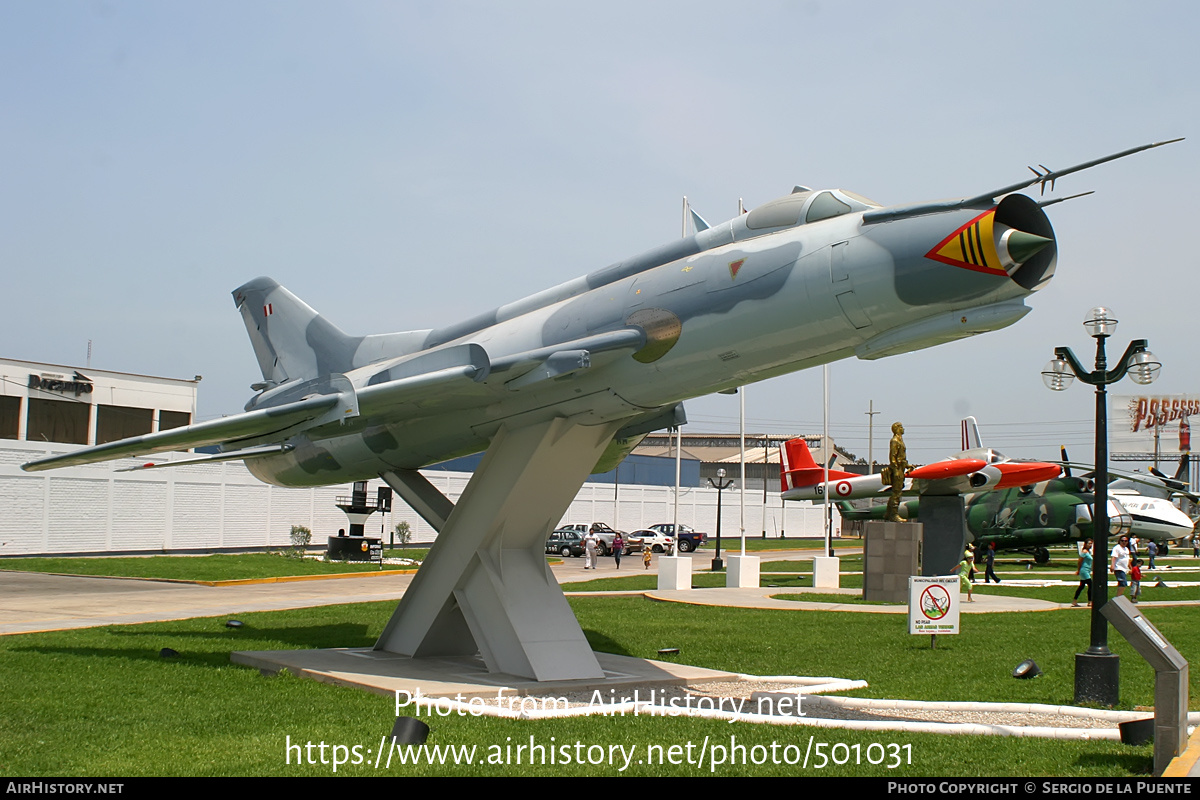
pixel 101 702
pixel 199 568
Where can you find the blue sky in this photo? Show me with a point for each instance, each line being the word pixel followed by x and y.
pixel 400 165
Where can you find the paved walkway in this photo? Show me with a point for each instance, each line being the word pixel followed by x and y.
pixel 31 601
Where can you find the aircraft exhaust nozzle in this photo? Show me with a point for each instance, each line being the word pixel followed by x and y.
pixel 1025 242
pixel 986 478
pixel 1016 247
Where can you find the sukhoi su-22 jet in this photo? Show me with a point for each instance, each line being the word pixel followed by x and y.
pixel 563 382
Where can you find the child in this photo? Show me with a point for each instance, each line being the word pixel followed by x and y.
pixel 646 557
pixel 1135 575
pixel 964 568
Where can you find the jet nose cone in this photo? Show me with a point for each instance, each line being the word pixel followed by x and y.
pixel 1021 246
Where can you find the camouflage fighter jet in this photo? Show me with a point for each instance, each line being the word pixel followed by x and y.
pixel 564 381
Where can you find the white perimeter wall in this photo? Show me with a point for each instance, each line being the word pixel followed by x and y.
pixel 94 509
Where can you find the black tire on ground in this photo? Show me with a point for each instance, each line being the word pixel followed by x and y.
pixel 685 546
pixel 604 549
pixel 1041 555
pixel 564 551
pixel 657 548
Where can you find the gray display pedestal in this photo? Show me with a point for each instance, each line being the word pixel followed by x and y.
pixel 891 555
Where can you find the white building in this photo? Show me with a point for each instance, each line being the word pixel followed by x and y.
pixel 68 405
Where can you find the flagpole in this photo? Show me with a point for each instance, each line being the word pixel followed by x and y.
pixel 825 460
pixel 678 448
pixel 742 428
pixel 678 430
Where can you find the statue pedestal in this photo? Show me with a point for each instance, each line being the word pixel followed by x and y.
pixel 944 538
pixel 891 555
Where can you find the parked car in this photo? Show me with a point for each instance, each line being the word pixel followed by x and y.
pixel 644 539
pixel 603 533
pixel 688 538
pixel 565 543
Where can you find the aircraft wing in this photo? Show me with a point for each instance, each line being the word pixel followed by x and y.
pixel 251 425
pixel 964 475
pixel 461 375
pixel 1166 486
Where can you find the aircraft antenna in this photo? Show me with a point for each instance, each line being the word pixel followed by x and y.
pixel 1045 203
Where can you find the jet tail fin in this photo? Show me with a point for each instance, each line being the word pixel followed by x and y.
pixel 798 468
pixel 291 341
pixel 970 434
pixel 1182 474
pixel 794 456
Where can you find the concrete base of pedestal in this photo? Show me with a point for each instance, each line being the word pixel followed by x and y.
pixel 742 572
pixel 674 572
pixel 827 572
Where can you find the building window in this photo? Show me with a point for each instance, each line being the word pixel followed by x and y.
pixel 10 417
pixel 173 419
pixel 121 422
pixel 57 421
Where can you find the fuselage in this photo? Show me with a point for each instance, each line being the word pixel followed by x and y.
pixel 1154 517
pixel 761 295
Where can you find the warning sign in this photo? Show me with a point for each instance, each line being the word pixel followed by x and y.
pixel 933 604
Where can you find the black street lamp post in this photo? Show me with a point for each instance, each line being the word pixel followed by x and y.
pixel 720 485
pixel 1097 670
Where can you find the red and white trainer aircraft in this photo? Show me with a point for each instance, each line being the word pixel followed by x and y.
pixel 975 469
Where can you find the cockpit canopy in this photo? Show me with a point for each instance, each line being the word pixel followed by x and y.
pixel 804 206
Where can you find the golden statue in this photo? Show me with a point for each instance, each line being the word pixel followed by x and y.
pixel 893 474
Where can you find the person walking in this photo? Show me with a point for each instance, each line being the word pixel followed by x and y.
pixel 990 573
pixel 1084 571
pixel 618 549
pixel 1120 564
pixel 590 550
